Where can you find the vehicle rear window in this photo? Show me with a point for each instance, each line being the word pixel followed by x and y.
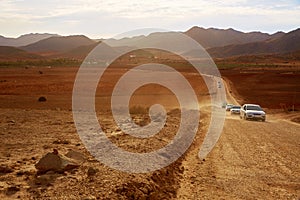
pixel 254 108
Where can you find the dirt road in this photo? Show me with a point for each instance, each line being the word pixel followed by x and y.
pixel 252 160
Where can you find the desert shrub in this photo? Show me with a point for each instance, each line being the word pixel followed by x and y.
pixel 42 99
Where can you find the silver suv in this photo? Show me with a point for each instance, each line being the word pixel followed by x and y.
pixel 252 111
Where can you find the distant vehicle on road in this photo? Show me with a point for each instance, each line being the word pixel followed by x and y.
pixel 228 107
pixel 219 84
pixel 252 111
pixel 235 110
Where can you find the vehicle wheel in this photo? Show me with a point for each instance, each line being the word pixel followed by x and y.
pixel 263 120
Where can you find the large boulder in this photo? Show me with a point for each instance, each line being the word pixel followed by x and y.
pixel 55 162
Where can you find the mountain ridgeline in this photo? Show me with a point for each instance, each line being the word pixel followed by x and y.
pixel 219 43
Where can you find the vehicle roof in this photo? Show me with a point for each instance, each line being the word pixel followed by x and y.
pixel 249 104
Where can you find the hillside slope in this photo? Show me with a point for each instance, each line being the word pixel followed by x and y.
pixel 12 53
pixel 58 44
pixel 24 40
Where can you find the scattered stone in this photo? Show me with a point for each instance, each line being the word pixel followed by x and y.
pixel 20 173
pixel 4 169
pixel 26 172
pixel 92 171
pixel 46 146
pixel 61 142
pixel 181 169
pixel 55 151
pixel 12 190
pixel 3 185
pixel 42 99
pixel 46 179
pixel 40 72
pixel 55 162
pixel 12 121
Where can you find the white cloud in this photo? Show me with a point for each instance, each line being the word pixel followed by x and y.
pixel 98 17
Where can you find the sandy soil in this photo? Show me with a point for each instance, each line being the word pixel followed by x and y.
pixel 252 160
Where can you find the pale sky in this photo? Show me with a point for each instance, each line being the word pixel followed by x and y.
pixel 102 19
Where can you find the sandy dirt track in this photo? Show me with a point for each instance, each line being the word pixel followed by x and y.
pixel 252 160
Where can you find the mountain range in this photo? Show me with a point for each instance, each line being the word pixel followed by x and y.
pixel 287 43
pixel 212 37
pixel 219 43
pixel 24 40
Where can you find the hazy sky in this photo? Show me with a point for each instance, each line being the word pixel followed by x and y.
pixel 98 19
